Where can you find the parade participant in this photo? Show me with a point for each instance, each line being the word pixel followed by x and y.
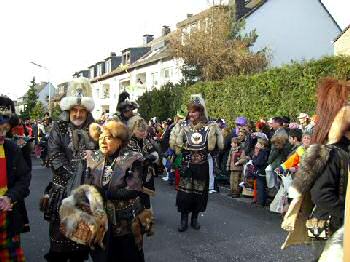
pixel 125 108
pixel 319 186
pixel 141 144
pixel 197 137
pixel 117 173
pixel 67 142
pixel 14 188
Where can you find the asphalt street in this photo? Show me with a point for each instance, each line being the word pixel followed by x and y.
pixel 231 230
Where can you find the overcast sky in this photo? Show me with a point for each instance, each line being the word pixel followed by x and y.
pixel 66 36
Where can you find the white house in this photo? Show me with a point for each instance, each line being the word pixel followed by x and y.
pixel 293 29
pixel 141 69
pixel 45 91
pixel 342 43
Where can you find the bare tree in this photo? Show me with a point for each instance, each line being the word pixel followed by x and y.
pixel 215 47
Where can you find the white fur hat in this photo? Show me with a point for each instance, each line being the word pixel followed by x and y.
pixel 79 93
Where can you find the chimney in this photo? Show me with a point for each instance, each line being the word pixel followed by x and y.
pixel 189 15
pixel 165 30
pixel 113 54
pixel 147 39
pixel 238 8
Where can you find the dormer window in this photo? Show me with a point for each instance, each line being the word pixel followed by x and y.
pixel 92 73
pixel 108 66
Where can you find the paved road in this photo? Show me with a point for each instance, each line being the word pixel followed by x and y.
pixel 231 230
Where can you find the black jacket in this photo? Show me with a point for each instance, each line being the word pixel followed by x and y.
pixel 18 181
pixel 328 191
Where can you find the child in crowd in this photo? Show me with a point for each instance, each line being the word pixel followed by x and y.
pixel 234 167
pixel 259 160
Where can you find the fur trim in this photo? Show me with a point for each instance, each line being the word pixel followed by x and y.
pixel 132 121
pixel 312 164
pixel 215 137
pixel 340 124
pixel 68 102
pixel 333 251
pixel 95 131
pixel 72 215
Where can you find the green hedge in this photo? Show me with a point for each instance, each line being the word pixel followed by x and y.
pixel 285 90
pixel 162 103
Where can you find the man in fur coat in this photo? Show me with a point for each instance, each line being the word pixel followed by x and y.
pixel 67 141
pixel 321 181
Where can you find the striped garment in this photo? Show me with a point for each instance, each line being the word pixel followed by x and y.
pixel 10 247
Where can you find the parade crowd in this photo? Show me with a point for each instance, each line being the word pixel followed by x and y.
pixel 99 202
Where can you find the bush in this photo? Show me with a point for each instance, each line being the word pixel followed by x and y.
pixel 286 90
pixel 162 103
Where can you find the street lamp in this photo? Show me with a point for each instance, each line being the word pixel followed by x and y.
pixel 48 80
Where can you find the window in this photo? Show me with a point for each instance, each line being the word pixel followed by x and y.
pixel 108 66
pixel 105 90
pixel 92 73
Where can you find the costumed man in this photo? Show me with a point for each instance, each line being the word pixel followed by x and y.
pixel 67 141
pixel 14 188
pixel 141 144
pixel 319 186
pixel 125 108
pixel 195 138
pixel 117 173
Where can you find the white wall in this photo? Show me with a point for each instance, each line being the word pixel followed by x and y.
pixel 136 90
pixel 293 30
pixel 44 94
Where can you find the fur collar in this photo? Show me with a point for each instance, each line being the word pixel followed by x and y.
pixel 311 166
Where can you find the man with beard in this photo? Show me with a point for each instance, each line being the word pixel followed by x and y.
pixel 195 138
pixel 14 187
pixel 67 143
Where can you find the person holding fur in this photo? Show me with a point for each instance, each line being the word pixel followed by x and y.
pixel 141 144
pixel 14 188
pixel 117 174
pixel 319 186
pixel 195 139
pixel 66 144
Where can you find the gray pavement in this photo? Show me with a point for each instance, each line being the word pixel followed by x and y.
pixel 231 230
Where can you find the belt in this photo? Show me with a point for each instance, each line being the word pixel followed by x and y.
pixel 130 211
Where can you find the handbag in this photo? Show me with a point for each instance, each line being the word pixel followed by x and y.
pixel 318 228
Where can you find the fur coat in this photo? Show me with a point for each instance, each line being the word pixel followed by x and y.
pixel 308 189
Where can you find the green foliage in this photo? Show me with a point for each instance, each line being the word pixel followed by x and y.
pixel 38 111
pixel 56 111
pixel 30 100
pixel 163 102
pixel 286 90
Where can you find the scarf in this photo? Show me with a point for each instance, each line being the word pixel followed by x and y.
pixel 3 175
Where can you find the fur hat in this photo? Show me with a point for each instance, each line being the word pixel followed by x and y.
pixel 137 123
pixel 124 103
pixel 7 109
pixel 79 93
pixel 114 128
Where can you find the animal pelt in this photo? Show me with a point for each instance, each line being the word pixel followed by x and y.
pixel 114 128
pixel 311 166
pixel 173 137
pixel 340 125
pixel 83 219
pixel 142 224
pixel 215 137
pixel 333 252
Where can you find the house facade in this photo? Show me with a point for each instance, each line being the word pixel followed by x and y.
pixel 293 30
pixel 342 43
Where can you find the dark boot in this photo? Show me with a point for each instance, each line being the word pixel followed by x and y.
pixel 194 221
pixel 184 222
